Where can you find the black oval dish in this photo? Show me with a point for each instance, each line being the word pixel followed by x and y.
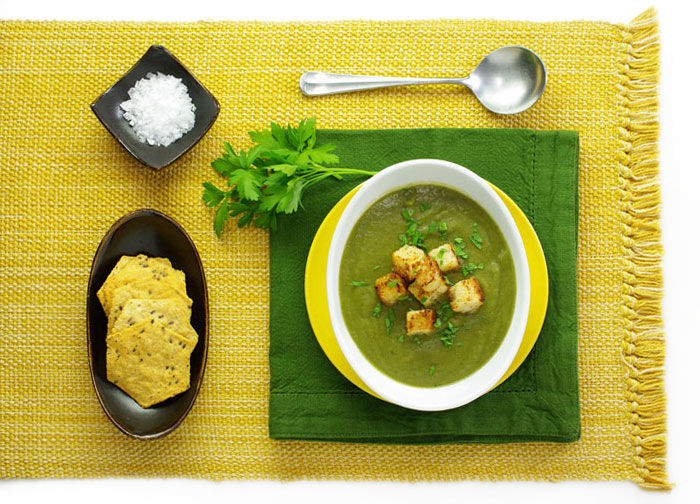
pixel 106 108
pixel 155 234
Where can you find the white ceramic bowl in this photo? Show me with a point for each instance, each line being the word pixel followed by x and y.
pixel 458 178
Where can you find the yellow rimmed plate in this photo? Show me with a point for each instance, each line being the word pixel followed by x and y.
pixel 317 304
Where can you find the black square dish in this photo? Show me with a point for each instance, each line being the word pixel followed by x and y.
pixel 106 108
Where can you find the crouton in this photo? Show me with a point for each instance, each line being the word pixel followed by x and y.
pixel 466 296
pixel 420 322
pixel 427 298
pixel 429 284
pixel 390 288
pixel 406 261
pixel 446 257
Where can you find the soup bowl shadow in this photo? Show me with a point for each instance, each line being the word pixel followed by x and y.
pixel 466 182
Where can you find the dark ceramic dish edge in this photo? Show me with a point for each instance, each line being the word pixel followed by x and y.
pixel 118 139
pixel 205 338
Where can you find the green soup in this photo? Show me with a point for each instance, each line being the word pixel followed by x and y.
pixel 380 332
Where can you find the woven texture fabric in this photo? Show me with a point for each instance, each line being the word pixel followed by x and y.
pixel 65 180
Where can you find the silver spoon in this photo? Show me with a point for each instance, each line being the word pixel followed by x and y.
pixel 507 81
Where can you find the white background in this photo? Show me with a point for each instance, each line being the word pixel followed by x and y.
pixel 680 140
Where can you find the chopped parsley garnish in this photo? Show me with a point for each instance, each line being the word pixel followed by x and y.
pixel 438 323
pixel 423 299
pixel 432 227
pixel 442 230
pixel 392 283
pixel 418 341
pixel 355 283
pixel 412 236
pixel 431 370
pixel 389 321
pixel 470 268
pixel 401 338
pixel 448 281
pixel 424 207
pixel 376 267
pixel 440 255
pixel 377 310
pixel 405 297
pixel 460 245
pixel 475 237
pixel 448 335
pixel 445 311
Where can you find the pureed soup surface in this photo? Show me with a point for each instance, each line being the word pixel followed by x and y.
pixel 425 361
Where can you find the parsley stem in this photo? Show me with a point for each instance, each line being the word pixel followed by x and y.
pixel 342 171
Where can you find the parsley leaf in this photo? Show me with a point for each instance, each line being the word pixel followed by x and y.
pixel 355 283
pixel 392 283
pixel 442 230
pixel 448 335
pixel 475 237
pixel 377 310
pixel 272 176
pixel 431 370
pixel 470 268
pixel 460 245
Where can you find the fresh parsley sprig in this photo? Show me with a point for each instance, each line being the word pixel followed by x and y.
pixel 272 176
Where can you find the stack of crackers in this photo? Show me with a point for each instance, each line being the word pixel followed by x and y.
pixel 149 336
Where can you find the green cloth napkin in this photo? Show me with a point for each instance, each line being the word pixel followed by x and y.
pixel 311 400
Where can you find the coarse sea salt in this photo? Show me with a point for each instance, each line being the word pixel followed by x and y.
pixel 159 109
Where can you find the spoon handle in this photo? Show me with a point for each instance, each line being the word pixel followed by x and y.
pixel 319 83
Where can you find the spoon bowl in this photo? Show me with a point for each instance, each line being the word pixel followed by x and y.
pixel 507 81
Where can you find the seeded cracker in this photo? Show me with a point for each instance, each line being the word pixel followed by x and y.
pixel 171 312
pixel 144 289
pixel 112 277
pixel 139 269
pixel 149 362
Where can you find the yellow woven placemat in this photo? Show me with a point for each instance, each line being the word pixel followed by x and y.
pixel 64 181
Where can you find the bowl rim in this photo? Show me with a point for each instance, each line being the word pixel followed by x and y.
pixel 465 181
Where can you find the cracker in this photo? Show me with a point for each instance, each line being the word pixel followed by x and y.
pixel 171 312
pixel 142 268
pixel 123 260
pixel 144 289
pixel 149 362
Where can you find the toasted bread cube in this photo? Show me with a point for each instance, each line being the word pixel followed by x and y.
pixel 466 296
pixel 429 284
pixel 406 261
pixel 420 322
pixel 390 288
pixel 446 257
pixel 427 298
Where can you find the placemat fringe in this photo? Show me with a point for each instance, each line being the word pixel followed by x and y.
pixel 643 346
